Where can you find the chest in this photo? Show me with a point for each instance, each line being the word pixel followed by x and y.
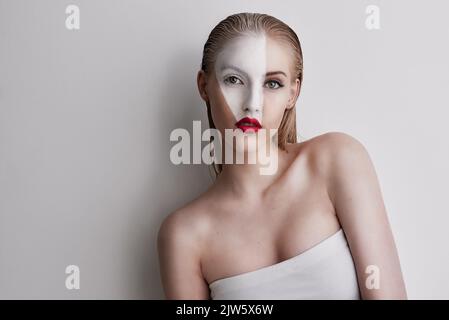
pixel 246 238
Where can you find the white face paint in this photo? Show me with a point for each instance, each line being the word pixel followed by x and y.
pixel 240 70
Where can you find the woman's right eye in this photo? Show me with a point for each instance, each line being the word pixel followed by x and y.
pixel 233 80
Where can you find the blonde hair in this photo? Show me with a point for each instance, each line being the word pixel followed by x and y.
pixel 243 23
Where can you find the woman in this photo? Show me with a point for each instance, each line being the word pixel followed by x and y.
pixel 314 228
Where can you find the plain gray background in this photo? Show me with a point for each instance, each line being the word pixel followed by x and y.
pixel 85 117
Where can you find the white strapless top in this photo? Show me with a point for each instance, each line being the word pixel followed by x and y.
pixel 324 271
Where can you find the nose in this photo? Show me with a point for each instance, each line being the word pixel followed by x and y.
pixel 253 101
pixel 251 110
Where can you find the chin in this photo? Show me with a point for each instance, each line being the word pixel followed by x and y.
pixel 246 142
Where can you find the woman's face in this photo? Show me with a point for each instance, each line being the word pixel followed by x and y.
pixel 252 78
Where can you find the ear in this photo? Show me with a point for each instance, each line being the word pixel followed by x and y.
pixel 294 93
pixel 201 81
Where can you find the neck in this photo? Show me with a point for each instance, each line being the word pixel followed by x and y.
pixel 247 180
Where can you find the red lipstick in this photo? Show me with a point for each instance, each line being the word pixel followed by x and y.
pixel 248 124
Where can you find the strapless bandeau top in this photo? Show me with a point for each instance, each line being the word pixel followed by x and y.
pixel 324 271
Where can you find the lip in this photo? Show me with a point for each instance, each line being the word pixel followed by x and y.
pixel 242 124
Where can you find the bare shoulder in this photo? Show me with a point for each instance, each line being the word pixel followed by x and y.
pixel 331 148
pixel 339 140
pixel 332 155
pixel 184 228
pixel 180 243
pixel 341 152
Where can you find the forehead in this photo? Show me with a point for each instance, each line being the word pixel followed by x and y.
pixel 256 52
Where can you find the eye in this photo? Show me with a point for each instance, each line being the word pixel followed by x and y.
pixel 273 84
pixel 233 80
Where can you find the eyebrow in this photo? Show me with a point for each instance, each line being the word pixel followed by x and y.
pixel 271 73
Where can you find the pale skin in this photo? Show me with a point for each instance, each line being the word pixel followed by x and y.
pixel 246 221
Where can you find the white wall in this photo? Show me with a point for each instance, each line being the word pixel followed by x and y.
pixel 85 117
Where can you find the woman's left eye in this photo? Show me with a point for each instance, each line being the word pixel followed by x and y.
pixel 273 84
